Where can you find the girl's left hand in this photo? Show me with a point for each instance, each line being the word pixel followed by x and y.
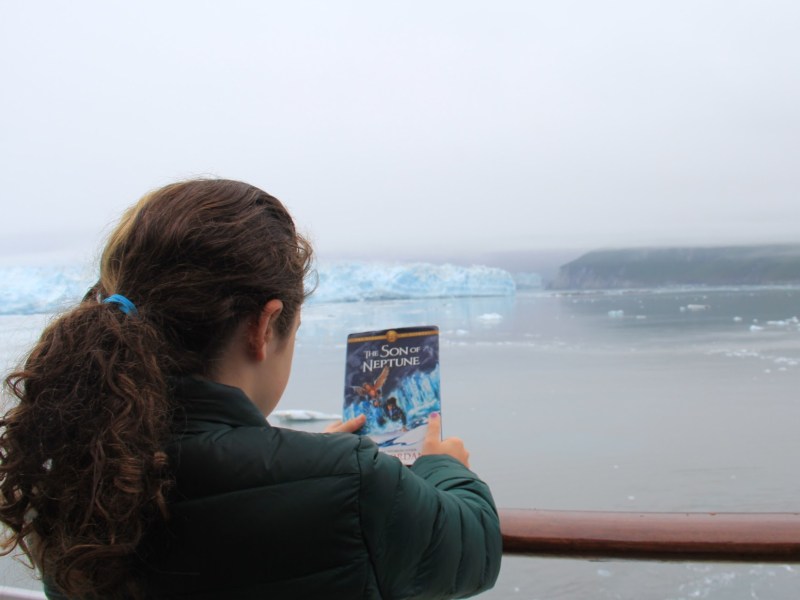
pixel 349 426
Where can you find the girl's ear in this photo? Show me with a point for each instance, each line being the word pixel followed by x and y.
pixel 262 329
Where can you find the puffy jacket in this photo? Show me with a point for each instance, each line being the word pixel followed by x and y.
pixel 265 512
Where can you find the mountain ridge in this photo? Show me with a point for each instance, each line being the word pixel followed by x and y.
pixel 675 266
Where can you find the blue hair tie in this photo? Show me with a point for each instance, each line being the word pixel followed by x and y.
pixel 125 305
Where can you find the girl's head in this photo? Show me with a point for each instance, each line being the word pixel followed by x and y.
pixel 198 257
pixel 82 471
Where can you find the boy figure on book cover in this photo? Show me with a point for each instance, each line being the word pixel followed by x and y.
pixel 392 377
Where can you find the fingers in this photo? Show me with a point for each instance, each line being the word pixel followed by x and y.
pixel 355 423
pixel 434 444
pixel 460 453
pixel 455 447
pixel 434 432
pixel 332 427
pixel 349 426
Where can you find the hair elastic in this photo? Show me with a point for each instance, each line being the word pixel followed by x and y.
pixel 125 305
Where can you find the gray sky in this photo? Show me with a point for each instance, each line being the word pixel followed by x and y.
pixel 409 128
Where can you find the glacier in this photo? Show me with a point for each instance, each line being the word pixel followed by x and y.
pixel 361 281
pixel 36 290
pixel 528 281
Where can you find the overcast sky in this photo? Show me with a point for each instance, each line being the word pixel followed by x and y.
pixel 409 128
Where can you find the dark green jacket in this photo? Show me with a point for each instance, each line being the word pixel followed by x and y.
pixel 266 512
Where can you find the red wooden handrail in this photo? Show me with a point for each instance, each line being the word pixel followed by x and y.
pixel 738 537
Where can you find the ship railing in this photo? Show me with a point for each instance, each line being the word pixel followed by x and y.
pixel 685 536
pixel 650 536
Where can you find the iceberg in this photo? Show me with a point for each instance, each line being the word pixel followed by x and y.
pixel 35 290
pixel 490 318
pixel 304 415
pixel 363 281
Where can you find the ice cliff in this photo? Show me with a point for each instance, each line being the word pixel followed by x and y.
pixel 31 290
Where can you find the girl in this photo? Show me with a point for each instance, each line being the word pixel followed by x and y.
pixel 138 462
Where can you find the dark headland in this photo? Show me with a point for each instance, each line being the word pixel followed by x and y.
pixel 664 267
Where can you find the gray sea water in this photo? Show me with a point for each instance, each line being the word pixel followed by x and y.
pixel 680 400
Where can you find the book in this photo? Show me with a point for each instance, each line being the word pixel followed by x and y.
pixel 392 377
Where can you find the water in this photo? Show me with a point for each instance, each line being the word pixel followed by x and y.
pixel 565 407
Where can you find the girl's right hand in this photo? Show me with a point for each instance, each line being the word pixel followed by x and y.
pixel 452 446
pixel 349 426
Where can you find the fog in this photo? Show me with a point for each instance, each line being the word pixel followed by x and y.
pixel 408 130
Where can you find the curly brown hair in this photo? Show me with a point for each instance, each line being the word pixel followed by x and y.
pixel 83 474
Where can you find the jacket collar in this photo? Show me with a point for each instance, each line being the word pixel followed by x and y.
pixel 205 400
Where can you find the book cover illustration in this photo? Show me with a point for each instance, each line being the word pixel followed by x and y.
pixel 392 377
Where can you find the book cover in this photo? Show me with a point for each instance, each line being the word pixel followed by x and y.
pixel 392 377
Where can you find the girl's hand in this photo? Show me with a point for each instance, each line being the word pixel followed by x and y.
pixel 451 446
pixel 349 426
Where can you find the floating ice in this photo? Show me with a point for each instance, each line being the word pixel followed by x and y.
pixel 777 323
pixel 490 318
pixel 616 314
pixel 697 307
pixel 304 415
pixel 742 354
pixel 737 319
pixel 782 360
pixel 756 328
pixel 783 363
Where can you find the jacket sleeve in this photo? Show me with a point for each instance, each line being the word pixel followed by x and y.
pixel 432 531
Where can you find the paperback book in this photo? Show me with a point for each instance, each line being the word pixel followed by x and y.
pixel 392 377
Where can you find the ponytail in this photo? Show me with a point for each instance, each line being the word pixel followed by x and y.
pixel 83 473
pixel 93 395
